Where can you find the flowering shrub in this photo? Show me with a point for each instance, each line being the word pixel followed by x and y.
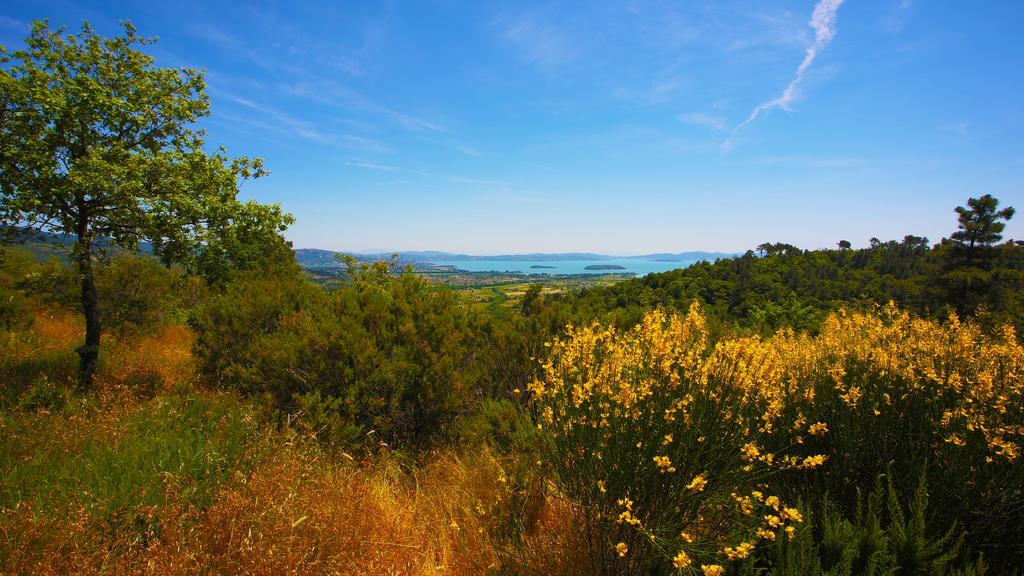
pixel 682 455
pixel 663 441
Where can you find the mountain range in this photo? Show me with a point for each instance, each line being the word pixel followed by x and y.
pixel 316 258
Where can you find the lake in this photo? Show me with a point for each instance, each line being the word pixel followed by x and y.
pixel 638 267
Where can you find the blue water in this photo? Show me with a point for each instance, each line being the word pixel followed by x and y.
pixel 638 267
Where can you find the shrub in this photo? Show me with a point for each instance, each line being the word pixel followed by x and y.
pixel 387 354
pixel 945 397
pixel 663 441
pixel 637 421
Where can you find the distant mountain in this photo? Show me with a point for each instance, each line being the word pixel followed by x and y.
pixel 687 256
pixel 316 258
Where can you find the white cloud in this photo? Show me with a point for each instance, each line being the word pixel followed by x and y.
pixel 540 41
pixel 373 166
pixel 293 125
pixel 823 21
pixel 700 119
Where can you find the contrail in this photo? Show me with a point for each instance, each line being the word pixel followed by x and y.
pixel 823 20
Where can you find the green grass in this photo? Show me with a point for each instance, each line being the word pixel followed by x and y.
pixel 186 443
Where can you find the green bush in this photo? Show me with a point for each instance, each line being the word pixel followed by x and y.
pixel 387 354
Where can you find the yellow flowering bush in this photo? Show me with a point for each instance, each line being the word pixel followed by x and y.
pixel 654 432
pixel 944 397
pixel 683 450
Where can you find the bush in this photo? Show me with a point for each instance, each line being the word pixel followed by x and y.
pixel 637 420
pixel 15 307
pixel 663 441
pixel 923 395
pixel 391 355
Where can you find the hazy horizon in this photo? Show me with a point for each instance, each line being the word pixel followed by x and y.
pixel 608 127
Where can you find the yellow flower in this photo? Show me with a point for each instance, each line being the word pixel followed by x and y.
pixel 621 549
pixel 681 560
pixel 712 569
pixel 626 517
pixel 685 536
pixel 698 483
pixel 664 464
pixel 740 552
pixel 818 429
pixel 813 461
pixel 750 451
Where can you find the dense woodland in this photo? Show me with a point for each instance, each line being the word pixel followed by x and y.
pixel 846 411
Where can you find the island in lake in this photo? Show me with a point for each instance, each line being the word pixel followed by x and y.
pixel 542 266
pixel 605 267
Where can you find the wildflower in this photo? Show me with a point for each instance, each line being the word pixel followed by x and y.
pixel 712 569
pixel 813 461
pixel 852 396
pixel 773 520
pixel 740 552
pixel 626 517
pixel 664 464
pixel 818 429
pixel 791 532
pixel 698 483
pixel 681 560
pixel 766 534
pixel 792 514
pixel 750 451
pixel 772 501
pixel 667 440
pixel 686 537
pixel 621 549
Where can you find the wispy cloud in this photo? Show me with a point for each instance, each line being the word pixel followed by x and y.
pixel 294 125
pixel 703 120
pixel 373 166
pixel 13 23
pixel 451 178
pixel 540 41
pixel 823 21
pixel 895 19
pixel 366 144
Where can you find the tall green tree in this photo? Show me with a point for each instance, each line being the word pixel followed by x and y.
pixel 98 143
pixel 981 224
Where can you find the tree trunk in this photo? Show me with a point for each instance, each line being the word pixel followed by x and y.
pixel 89 352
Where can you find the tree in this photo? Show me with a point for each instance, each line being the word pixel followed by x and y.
pixel 97 143
pixel 845 245
pixel 532 300
pixel 980 223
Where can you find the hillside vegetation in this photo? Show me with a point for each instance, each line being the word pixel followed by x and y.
pixel 790 412
pixel 206 409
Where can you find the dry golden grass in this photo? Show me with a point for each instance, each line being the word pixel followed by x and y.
pixel 297 510
pixel 298 514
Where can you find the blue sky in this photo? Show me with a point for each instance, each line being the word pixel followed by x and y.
pixel 620 127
